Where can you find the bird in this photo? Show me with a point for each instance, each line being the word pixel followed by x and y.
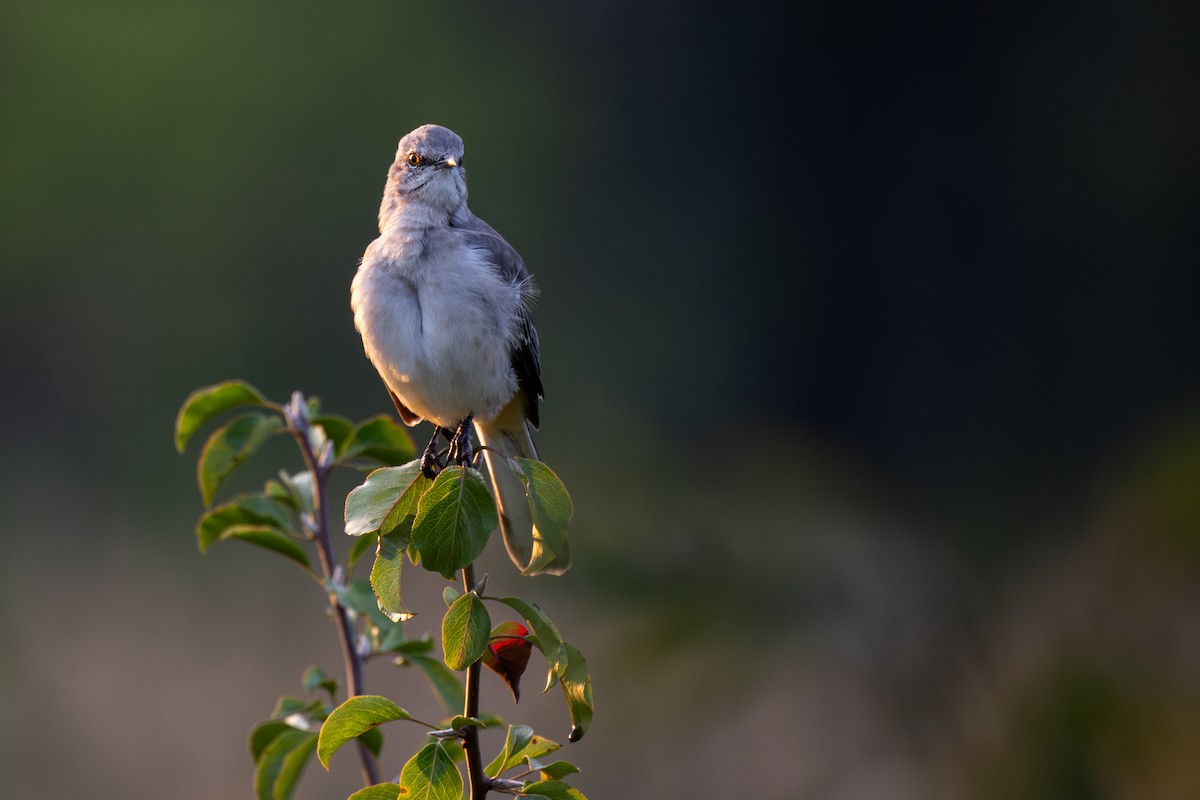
pixel 443 304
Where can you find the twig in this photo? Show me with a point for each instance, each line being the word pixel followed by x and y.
pixel 319 466
pixel 470 735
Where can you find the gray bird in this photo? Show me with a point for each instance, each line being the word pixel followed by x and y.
pixel 443 306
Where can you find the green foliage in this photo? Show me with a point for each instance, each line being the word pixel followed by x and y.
pixel 551 508
pixel 465 631
pixel 440 524
pixel 455 517
pixel 204 404
pixel 431 775
pixel 352 719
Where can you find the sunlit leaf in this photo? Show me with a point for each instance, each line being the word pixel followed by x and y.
pixel 454 520
pixel 281 763
pixel 551 508
pixel 385 576
pixel 229 446
pixel 577 685
pixel 465 630
pixel 204 404
pixel 553 771
pixel 368 505
pixel 380 791
pixel 552 790
pixel 431 775
pixel 520 743
pixel 353 718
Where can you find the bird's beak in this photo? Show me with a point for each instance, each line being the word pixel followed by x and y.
pixel 450 162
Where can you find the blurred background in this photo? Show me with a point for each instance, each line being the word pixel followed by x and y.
pixel 871 351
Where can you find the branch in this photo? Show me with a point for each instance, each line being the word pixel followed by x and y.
pixel 320 464
pixel 480 784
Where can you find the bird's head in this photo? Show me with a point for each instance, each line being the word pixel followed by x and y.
pixel 429 169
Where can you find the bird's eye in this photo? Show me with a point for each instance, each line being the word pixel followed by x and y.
pixel 415 160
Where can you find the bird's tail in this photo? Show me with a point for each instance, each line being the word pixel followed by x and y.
pixel 509 434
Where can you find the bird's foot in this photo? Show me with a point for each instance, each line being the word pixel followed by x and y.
pixel 460 445
pixel 430 464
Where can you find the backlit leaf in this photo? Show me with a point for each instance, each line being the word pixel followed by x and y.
pixel 551 508
pixel 368 505
pixel 465 630
pixel 353 718
pixel 552 790
pixel 380 791
pixel 454 519
pixel 577 685
pixel 385 576
pixel 431 775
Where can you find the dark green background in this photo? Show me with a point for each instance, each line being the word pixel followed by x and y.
pixel 870 344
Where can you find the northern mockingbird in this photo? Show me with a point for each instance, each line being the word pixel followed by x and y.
pixel 442 303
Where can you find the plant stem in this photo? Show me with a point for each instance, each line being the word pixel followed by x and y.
pixel 470 736
pixel 351 660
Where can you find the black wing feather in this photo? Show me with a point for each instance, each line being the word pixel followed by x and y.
pixel 526 359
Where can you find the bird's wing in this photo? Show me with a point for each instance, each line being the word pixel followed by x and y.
pixel 526 360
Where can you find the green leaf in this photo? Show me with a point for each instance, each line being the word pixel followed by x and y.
pixel 431 775
pixel 465 630
pixel 382 439
pixel 368 505
pixel 517 737
pixel 461 722
pixel 352 719
pixel 281 763
pixel 263 734
pixel 337 429
pixel 520 743
pixel 454 520
pixel 288 706
pixel 548 640
pixel 577 685
pixel 316 678
pixel 229 446
pixel 380 791
pixel 298 487
pixel 552 771
pixel 204 404
pixel 385 576
pixel 449 595
pixel 269 539
pixel 446 685
pixel 552 509
pixel 406 507
pixel 552 790
pixel 253 510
